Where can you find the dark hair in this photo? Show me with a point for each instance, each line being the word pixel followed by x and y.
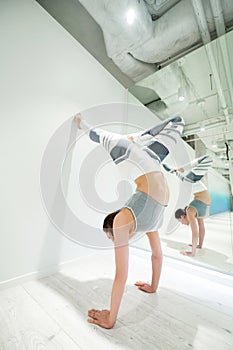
pixel 108 222
pixel 180 212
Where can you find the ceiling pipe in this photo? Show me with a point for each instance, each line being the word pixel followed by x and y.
pixel 218 17
pixel 201 21
pixel 149 41
pixel 220 29
pixel 194 129
pixel 206 39
pixel 132 67
pixel 150 2
pixel 157 7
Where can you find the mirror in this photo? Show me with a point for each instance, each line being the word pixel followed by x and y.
pixel 199 87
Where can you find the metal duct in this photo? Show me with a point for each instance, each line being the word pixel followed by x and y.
pixel 147 41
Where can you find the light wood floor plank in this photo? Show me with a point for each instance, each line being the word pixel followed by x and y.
pixel 24 325
pixel 168 320
pixel 69 305
pixel 52 313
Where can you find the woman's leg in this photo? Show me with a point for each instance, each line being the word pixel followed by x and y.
pixel 193 171
pixel 197 168
pixel 148 134
pixel 162 138
pixel 159 140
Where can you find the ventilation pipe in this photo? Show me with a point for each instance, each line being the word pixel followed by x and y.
pixel 120 37
pixel 220 29
pixel 146 41
pixel 132 67
pixel 172 32
pixel 137 47
pixel 157 7
pixel 151 2
pixel 205 35
pixel 218 17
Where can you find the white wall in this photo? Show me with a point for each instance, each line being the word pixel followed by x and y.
pixel 46 76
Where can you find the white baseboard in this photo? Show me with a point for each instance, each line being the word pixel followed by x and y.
pixel 42 273
pixel 194 269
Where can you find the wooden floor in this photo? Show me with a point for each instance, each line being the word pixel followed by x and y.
pixel 192 309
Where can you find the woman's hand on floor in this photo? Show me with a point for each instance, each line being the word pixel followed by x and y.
pixel 187 253
pixel 145 287
pixel 100 318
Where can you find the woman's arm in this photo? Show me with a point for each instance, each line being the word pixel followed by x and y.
pixel 191 215
pixel 121 261
pixel 156 261
pixel 121 239
pixel 107 318
pixel 201 227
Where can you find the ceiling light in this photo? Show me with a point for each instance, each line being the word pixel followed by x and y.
pixel 130 16
pixel 181 61
pixel 181 94
pixel 201 103
pixel 202 128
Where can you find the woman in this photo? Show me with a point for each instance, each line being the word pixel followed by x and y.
pixel 144 211
pixel 194 215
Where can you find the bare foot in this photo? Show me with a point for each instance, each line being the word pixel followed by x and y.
pixel 187 253
pixel 78 119
pixel 130 138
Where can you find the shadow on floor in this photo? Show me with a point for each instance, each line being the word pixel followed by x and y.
pixel 166 320
pixel 203 256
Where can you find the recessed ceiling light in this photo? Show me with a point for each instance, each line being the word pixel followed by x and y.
pixel 202 128
pixel 181 94
pixel 201 103
pixel 130 16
